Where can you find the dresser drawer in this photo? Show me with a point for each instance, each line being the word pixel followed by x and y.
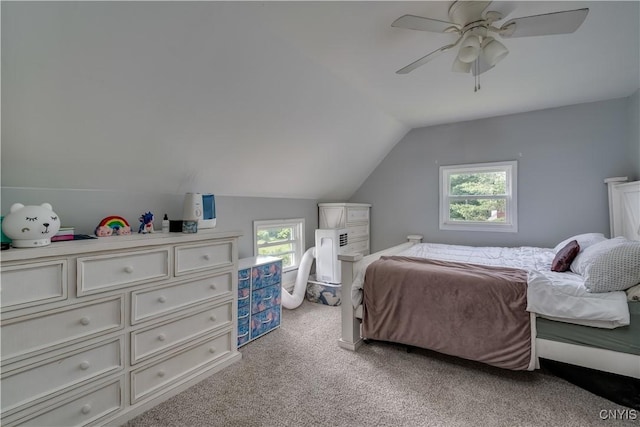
pixel 26 334
pixel 244 295
pixel 265 321
pixel 358 232
pixel 266 275
pixel 154 378
pixel 33 284
pixel 79 410
pixel 243 329
pixel 203 257
pixel 161 300
pixel 359 247
pixel 264 298
pixel 355 215
pixel 70 369
pixel 244 278
pixel 104 272
pixel 243 313
pixel 147 342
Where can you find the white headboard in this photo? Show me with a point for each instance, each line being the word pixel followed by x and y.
pixel 624 207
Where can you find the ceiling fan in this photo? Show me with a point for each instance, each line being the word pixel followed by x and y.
pixel 472 22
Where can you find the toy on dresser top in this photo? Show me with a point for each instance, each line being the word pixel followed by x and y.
pixel 113 225
pixel 146 223
pixel 30 226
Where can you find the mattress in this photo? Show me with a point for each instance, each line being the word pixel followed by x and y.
pixel 624 339
pixel 559 296
pixel 523 257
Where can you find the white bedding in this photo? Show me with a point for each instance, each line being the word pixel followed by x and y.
pixel 558 296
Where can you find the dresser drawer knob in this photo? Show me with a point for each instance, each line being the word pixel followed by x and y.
pixel 161 373
pixel 84 365
pixel 162 337
pixel 207 257
pixel 162 299
pixel 86 409
pixel 212 318
pixel 128 269
pixel 85 321
pixel 213 287
pixel 212 350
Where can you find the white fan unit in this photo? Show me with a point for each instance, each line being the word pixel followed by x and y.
pixel 474 25
pixel 330 243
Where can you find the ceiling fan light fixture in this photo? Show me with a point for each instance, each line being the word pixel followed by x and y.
pixel 493 51
pixel 461 67
pixel 475 26
pixel 470 49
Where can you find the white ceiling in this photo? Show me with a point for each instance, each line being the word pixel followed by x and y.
pixel 277 99
pixel 356 42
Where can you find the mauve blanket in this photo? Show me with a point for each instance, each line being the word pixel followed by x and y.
pixel 472 311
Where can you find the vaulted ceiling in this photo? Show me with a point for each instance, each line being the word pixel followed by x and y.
pixel 281 99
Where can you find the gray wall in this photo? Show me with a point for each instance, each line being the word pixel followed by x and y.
pixel 563 154
pixel 634 130
pixel 84 209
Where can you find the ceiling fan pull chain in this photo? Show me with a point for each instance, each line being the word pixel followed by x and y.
pixel 476 81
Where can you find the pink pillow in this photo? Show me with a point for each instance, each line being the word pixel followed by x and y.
pixel 565 256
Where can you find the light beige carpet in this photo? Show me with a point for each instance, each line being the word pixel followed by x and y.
pixel 298 376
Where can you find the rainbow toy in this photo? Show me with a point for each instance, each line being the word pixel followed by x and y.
pixel 118 224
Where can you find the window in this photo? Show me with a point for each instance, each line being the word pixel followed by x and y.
pixel 479 197
pixel 281 237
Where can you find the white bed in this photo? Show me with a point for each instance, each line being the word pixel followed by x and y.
pixel 604 310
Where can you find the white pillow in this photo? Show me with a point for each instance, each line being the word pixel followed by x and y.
pixel 584 240
pixel 586 257
pixel 617 269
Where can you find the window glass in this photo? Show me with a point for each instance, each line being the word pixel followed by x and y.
pixel 281 238
pixel 479 197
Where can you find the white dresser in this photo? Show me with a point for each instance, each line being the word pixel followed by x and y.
pixel 98 331
pixel 352 216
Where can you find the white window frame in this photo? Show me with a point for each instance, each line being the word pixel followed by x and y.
pixel 298 239
pixel 511 215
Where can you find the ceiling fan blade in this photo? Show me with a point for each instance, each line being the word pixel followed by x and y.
pixel 427 58
pixel 419 23
pixel 545 24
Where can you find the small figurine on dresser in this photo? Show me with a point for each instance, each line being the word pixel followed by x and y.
pixel 146 223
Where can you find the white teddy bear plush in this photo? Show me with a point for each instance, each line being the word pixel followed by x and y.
pixel 30 226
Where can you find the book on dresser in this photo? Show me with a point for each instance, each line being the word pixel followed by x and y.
pixel 98 331
pixel 64 233
pixel 259 296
